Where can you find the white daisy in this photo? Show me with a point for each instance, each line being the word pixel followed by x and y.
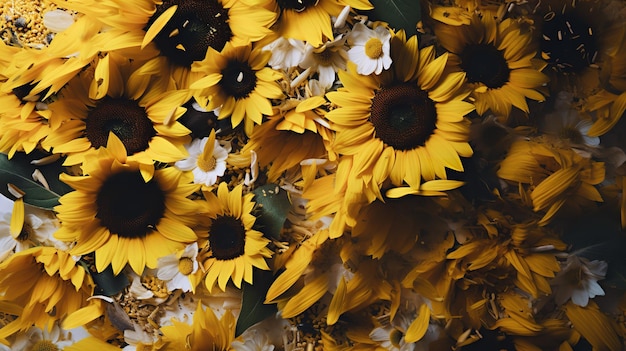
pixel 326 60
pixel 207 160
pixel 578 280
pixel 567 123
pixel 177 269
pixel 390 336
pixel 38 229
pixel 252 340
pixel 369 49
pixel 35 338
pixel 286 53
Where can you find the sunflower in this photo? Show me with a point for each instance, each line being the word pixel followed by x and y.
pixel 234 247
pixel 310 20
pixel 48 286
pixel 206 332
pixel 497 58
pixel 126 212
pixel 23 117
pixel 295 132
pixel 608 104
pixel 180 31
pixel 113 97
pixel 578 40
pixel 406 125
pixel 239 83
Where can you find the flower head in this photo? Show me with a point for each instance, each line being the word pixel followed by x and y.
pixel 578 280
pixel 124 212
pixel 207 160
pixel 369 49
pixel 239 83
pixel 234 247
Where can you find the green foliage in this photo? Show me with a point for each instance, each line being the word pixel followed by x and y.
pixel 400 14
pixel 253 310
pixel 107 283
pixel 273 204
pixel 18 171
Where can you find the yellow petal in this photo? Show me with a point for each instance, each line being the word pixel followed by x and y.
pixel 337 303
pixel 418 327
pixel 17 218
pixel 158 25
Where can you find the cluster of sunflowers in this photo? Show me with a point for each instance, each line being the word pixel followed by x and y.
pixel 307 175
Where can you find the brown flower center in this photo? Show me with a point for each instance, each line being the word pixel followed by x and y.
pixel 568 42
pixel 227 237
pixel 403 116
pixel 238 79
pixel 196 26
pixel 484 63
pixel 123 117
pixel 296 5
pixel 129 206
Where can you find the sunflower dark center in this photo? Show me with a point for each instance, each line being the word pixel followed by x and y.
pixel 195 26
pixel 238 79
pixel 568 42
pixel 123 117
pixel 227 237
pixel 484 63
pixel 403 116
pixel 129 206
pixel 296 5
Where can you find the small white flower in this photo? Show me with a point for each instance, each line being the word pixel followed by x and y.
pixel 207 160
pixel 286 53
pixel 38 229
pixel 42 339
pixel 175 269
pixel 326 60
pixel 369 48
pixel 252 340
pixel 567 123
pixel 578 280
pixel 391 336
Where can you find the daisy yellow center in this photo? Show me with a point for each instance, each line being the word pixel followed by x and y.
pixel 403 116
pixel 373 48
pixel 195 26
pixel 484 63
pixel 227 237
pixel 44 345
pixel 395 337
pixel 185 265
pixel 568 41
pixel 238 79
pixel 206 165
pixel 296 5
pixel 123 117
pixel 129 206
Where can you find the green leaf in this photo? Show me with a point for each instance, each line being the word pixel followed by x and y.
pixel 253 310
pixel 400 14
pixel 273 205
pixel 107 283
pixel 18 171
pixel 597 236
